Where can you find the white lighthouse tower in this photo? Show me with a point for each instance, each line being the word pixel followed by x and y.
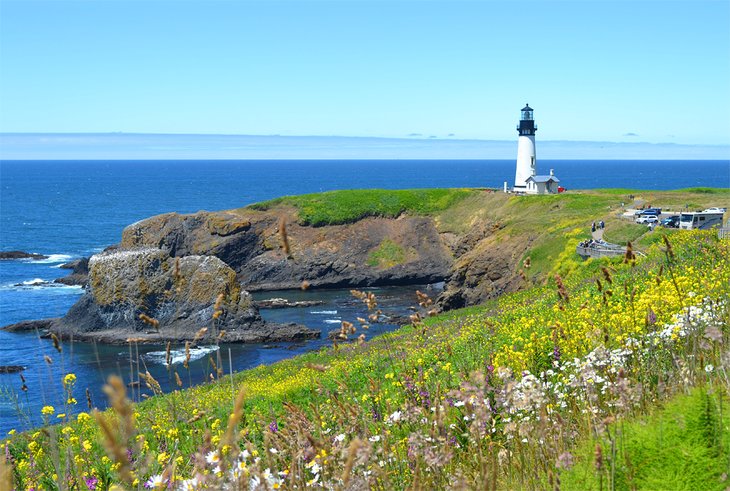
pixel 525 149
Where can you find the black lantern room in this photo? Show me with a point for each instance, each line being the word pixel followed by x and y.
pixel 527 123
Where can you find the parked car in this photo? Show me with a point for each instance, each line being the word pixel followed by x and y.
pixel 715 209
pixel 649 211
pixel 647 219
pixel 670 222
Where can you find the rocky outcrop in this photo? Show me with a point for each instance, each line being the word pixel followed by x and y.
pixel 372 251
pixel 21 255
pixel 147 295
pixel 41 325
pixel 79 273
pixel 228 236
pixel 283 303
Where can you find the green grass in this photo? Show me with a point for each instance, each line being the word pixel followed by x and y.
pixel 340 207
pixel 681 446
pixel 621 231
pixel 386 255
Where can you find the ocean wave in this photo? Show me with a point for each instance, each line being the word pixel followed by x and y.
pixel 39 284
pixel 33 282
pixel 333 321
pixel 54 258
pixel 323 312
pixel 178 355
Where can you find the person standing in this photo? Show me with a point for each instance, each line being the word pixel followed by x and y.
pixel 593 227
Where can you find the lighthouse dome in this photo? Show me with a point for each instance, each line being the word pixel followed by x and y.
pixel 527 108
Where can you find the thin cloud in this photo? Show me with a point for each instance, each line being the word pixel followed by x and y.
pixel 630 134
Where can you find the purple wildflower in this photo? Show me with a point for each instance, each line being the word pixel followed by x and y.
pixel 650 317
pixel 556 353
pixel 273 427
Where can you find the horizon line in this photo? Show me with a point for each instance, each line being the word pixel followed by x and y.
pixel 421 137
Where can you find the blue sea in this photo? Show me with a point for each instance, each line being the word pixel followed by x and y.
pixel 70 209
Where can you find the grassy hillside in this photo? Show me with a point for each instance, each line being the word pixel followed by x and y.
pixel 551 224
pixel 339 207
pixel 562 382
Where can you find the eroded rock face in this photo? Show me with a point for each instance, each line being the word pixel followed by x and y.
pixel 179 293
pixel 485 269
pixel 225 235
pixel 372 251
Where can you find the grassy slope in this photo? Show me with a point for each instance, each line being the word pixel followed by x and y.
pixel 513 331
pixel 674 447
pixel 552 224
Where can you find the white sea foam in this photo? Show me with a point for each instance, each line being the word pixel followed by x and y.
pixel 34 282
pixel 333 321
pixel 324 312
pixel 39 284
pixel 178 356
pixel 54 258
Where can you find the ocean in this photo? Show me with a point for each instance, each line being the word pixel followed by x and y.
pixel 71 209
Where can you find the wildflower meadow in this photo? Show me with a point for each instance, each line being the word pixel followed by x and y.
pixel 614 376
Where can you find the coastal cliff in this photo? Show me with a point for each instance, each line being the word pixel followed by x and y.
pixel 267 255
pixel 283 243
pixel 480 243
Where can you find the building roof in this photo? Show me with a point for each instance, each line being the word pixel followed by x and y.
pixel 527 108
pixel 543 178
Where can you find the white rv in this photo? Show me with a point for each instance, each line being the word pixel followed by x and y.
pixel 700 220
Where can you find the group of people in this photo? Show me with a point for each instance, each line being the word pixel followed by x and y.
pixel 601 225
pixel 591 243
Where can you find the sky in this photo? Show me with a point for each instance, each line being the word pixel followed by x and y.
pixel 619 71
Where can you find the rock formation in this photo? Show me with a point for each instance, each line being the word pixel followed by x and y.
pixel 147 295
pixel 369 252
pixel 79 273
pixel 485 267
pixel 21 255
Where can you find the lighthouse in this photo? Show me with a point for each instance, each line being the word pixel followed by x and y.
pixel 525 149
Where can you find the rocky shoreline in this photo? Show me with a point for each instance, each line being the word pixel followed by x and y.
pixel 21 255
pixel 173 275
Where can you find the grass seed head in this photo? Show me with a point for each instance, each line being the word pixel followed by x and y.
pixel 198 336
pixel 669 251
pixel 150 321
pixel 56 343
pixel 284 237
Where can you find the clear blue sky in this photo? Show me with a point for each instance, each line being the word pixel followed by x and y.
pixel 620 71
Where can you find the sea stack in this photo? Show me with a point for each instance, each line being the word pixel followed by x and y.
pixel 526 160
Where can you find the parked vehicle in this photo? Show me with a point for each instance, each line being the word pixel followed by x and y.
pixel 700 220
pixel 649 211
pixel 647 219
pixel 670 222
pixel 715 209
